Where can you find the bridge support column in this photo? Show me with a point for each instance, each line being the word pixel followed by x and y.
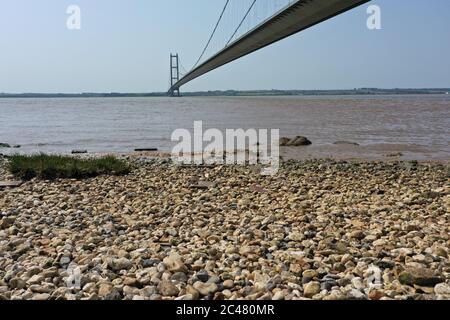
pixel 174 74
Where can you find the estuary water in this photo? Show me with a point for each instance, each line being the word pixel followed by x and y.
pixel 408 127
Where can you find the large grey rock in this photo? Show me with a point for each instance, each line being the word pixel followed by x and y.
pixel 295 142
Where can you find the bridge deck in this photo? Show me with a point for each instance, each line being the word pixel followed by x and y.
pixel 295 18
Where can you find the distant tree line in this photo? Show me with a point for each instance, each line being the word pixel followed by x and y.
pixel 235 93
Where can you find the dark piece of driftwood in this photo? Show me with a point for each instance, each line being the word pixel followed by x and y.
pixel 146 149
pixel 79 151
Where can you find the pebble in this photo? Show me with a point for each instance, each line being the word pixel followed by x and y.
pixel 280 295
pixel 108 292
pixel 168 289
pixel 120 264
pixel 36 279
pixel 442 289
pixel 147 263
pixel 228 284
pixel 310 274
pixel 420 276
pixel 311 289
pixel 202 275
pixel 355 294
pixel 174 263
pixel 205 289
pixel 312 231
pixel 41 296
pixel 376 295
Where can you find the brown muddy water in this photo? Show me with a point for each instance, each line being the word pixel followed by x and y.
pixel 384 127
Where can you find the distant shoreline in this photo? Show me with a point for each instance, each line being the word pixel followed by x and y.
pixel 237 93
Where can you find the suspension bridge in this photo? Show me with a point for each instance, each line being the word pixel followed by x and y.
pixel 245 26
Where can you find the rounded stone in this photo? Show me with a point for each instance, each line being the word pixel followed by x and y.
pixel 311 289
pixel 205 289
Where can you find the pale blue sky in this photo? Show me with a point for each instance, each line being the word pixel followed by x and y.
pixel 124 46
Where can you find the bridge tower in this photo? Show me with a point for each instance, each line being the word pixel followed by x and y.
pixel 174 74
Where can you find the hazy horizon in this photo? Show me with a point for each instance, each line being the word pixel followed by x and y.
pixel 214 90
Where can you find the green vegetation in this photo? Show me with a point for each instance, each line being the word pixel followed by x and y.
pixel 53 167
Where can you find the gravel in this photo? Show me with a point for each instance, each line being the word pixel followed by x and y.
pixel 320 229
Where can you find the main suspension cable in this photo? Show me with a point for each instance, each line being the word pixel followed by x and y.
pixel 240 24
pixel 212 34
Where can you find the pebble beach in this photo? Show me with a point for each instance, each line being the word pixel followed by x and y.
pixel 319 229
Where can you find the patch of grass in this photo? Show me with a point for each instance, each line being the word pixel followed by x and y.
pixel 51 167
